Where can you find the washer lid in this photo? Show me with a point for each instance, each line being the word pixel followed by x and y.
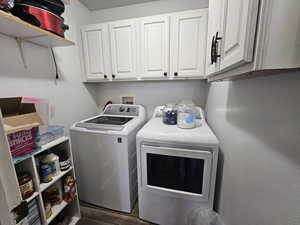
pixel 156 130
pixel 111 120
pixel 105 123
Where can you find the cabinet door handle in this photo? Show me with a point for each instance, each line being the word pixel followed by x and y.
pixel 217 37
pixel 113 76
pixel 105 76
pixel 217 46
pixel 175 74
pixel 212 50
pixel 165 74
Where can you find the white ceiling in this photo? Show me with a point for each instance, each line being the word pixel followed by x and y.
pixel 105 4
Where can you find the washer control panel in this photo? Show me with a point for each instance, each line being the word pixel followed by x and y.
pixel 119 109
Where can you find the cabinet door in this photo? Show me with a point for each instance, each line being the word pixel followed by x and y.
pixel 188 41
pixel 214 28
pixel 154 47
pixel 239 18
pixel 96 52
pixel 124 49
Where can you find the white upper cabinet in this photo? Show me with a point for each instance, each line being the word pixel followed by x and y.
pixel 257 37
pixel 123 49
pixel 239 18
pixel 231 34
pixel 278 35
pixel 188 43
pixel 96 52
pixel 214 28
pixel 158 47
pixel 154 46
pixel 231 38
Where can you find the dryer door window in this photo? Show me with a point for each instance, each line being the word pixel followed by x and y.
pixel 176 172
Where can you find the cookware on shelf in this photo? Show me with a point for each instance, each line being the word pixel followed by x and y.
pixel 45 14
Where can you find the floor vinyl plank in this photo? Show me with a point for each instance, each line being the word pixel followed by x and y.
pixel 110 217
pixel 86 221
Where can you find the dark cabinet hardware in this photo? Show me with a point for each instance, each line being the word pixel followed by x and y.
pixel 113 76
pixel 165 74
pixel 217 37
pixel 105 76
pixel 214 48
pixel 175 74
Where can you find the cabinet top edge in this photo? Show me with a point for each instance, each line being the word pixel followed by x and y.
pixel 135 19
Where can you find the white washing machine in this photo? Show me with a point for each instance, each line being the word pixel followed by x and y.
pixel 176 170
pixel 104 150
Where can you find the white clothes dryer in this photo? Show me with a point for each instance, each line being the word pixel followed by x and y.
pixel 176 170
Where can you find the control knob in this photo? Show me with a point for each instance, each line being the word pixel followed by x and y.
pixel 122 109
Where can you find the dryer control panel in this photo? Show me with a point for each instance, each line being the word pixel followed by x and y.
pixel 122 109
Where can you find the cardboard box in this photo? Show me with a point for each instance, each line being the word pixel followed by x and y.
pixel 21 124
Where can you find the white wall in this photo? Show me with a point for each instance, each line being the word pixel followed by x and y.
pixel 151 93
pixel 71 99
pixel 257 123
pixel 146 9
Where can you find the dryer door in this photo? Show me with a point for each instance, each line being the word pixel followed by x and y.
pixel 176 172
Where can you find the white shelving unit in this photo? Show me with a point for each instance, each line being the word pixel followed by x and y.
pixel 29 163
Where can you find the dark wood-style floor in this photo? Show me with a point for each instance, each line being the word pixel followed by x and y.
pixel 92 215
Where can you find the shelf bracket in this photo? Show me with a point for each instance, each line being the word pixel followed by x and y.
pixel 21 49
